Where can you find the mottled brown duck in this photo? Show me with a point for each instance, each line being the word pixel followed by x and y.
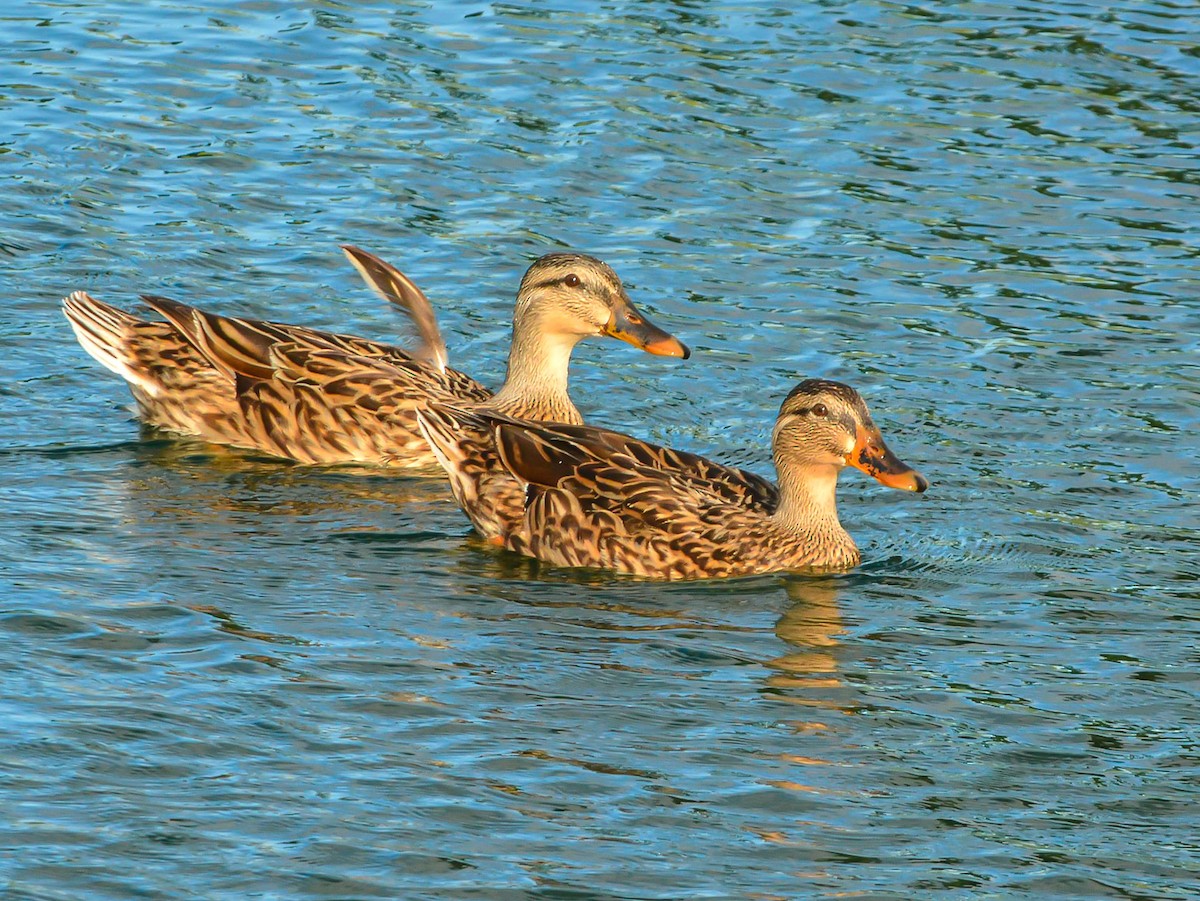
pixel 320 397
pixel 597 498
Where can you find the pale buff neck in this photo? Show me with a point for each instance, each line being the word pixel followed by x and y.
pixel 808 510
pixel 536 384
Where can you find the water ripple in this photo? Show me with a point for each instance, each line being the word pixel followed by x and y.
pixel 227 677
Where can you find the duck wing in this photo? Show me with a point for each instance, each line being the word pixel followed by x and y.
pixel 588 504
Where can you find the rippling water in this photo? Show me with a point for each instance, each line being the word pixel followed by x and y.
pixel 224 677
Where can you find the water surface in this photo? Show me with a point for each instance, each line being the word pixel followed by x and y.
pixel 226 677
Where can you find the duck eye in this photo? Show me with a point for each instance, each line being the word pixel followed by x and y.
pixel 820 410
pixel 571 281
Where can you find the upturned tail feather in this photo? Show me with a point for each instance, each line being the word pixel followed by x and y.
pixel 103 331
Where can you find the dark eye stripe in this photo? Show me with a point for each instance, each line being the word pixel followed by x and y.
pixel 815 409
pixel 551 282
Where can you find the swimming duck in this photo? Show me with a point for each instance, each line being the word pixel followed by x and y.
pixel 598 498
pixel 320 397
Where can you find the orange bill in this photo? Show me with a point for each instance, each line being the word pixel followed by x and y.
pixel 874 458
pixel 627 324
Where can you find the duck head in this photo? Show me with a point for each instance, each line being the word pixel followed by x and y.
pixel 824 423
pixel 575 296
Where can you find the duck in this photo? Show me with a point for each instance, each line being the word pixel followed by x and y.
pixel 597 498
pixel 318 397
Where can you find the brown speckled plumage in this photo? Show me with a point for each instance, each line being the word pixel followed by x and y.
pixel 601 499
pixel 320 397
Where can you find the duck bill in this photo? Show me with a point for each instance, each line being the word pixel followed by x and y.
pixel 627 324
pixel 874 458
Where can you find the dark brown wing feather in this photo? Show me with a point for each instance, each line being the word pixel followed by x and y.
pixel 323 405
pixel 738 486
pixel 619 514
pixel 230 345
pixel 538 457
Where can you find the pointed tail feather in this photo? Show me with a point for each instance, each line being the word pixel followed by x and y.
pixel 398 289
pixel 439 429
pixel 103 331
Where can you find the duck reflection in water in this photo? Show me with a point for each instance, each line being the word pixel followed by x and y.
pixel 811 625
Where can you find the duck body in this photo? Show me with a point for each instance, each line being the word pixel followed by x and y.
pixel 596 498
pixel 325 398
pixel 314 396
pixel 467 446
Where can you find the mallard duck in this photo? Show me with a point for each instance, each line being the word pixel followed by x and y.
pixel 597 498
pixel 320 397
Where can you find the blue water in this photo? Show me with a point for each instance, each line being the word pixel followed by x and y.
pixel 226 677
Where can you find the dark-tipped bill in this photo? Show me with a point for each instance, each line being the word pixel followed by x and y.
pixel 874 458
pixel 629 325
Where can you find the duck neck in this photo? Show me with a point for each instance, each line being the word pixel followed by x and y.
pixel 808 509
pixel 536 384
